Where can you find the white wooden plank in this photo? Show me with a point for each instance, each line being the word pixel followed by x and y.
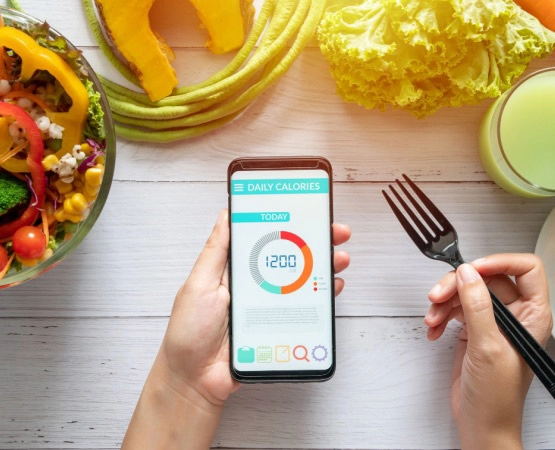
pixel 149 235
pixel 302 114
pixel 72 368
pixel 68 383
pixel 66 16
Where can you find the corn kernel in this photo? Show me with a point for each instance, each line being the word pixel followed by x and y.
pixel 66 195
pixel 93 175
pixel 86 148
pixel 79 202
pixel 60 215
pixel 27 262
pixel 90 198
pixel 49 161
pixel 91 190
pixel 75 218
pixel 68 207
pixel 47 254
pixel 62 187
pixel 78 183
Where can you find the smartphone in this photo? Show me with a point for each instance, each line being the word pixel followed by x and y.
pixel 281 269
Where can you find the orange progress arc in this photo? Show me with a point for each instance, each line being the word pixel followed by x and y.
pixel 299 282
pixel 308 262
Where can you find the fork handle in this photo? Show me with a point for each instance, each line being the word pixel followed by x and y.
pixel 530 349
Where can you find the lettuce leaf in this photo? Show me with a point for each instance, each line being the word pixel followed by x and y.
pixel 94 126
pixel 424 55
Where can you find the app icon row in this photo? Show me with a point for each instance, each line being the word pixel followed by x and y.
pixel 281 354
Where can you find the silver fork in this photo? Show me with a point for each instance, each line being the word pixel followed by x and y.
pixel 434 235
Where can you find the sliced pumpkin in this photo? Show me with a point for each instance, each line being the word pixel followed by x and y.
pixel 127 26
pixel 227 22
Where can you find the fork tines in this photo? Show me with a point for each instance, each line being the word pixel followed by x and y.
pixel 427 233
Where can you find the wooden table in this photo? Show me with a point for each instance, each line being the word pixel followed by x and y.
pixel 76 344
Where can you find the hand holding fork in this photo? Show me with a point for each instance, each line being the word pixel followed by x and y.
pixel 489 379
pixel 434 235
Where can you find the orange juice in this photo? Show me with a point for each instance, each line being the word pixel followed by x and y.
pixel 517 137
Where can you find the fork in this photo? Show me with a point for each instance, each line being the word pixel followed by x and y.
pixel 434 235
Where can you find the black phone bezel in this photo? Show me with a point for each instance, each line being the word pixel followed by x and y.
pixel 282 163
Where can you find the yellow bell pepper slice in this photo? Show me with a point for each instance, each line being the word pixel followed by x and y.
pixel 33 58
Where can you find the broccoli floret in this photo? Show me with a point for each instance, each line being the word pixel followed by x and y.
pixel 13 193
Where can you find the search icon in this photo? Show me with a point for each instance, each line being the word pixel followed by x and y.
pixel 301 352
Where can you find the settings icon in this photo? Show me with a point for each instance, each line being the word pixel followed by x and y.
pixel 319 353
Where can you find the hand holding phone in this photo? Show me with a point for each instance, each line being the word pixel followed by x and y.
pixel 281 269
pixel 192 365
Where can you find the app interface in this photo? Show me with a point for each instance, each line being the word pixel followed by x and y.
pixel 282 291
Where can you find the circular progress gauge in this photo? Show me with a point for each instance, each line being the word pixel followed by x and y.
pixel 275 236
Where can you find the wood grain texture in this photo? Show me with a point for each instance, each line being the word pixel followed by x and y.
pixel 149 235
pixel 73 383
pixel 76 344
pixel 299 114
pixel 302 114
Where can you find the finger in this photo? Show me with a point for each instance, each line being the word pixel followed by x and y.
pixel 341 261
pixel 341 233
pixel 211 263
pixel 437 312
pixel 339 284
pixel 476 304
pixel 500 285
pixel 436 331
pixel 527 269
pixel 444 289
pixel 503 287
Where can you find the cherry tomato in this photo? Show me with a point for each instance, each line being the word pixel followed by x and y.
pixel 3 258
pixel 29 242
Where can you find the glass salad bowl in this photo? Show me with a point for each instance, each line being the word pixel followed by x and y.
pixel 57 148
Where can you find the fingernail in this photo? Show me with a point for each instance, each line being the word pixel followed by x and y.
pixel 467 273
pixel 435 291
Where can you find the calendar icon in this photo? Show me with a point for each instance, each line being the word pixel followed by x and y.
pixel 264 354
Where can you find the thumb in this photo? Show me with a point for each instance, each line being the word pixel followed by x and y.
pixel 476 304
pixel 211 262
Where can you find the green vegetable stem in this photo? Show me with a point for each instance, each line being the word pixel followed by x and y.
pixel 281 31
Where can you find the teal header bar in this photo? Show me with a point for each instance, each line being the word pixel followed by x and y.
pixel 280 186
pixel 260 217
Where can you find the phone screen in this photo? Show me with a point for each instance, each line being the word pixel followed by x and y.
pixel 282 291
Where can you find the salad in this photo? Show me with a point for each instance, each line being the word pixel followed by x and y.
pixel 52 144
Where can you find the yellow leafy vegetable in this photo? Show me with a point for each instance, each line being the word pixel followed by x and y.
pixel 424 55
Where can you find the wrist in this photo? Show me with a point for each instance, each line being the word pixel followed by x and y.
pixel 187 389
pixel 490 439
pixel 171 415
